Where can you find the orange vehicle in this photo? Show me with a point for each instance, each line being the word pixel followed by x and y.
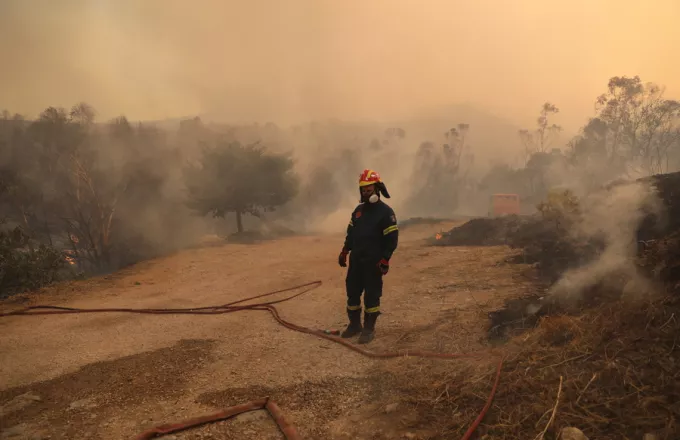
pixel 504 204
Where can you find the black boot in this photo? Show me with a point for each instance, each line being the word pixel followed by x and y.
pixel 369 328
pixel 354 327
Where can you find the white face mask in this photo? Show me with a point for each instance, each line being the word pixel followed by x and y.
pixel 373 198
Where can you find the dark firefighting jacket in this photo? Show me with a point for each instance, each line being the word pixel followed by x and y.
pixel 372 233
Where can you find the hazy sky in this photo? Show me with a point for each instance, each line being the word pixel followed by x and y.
pixel 296 59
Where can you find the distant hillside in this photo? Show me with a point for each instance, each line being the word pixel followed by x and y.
pixel 493 138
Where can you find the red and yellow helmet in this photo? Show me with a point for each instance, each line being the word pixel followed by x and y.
pixel 369 177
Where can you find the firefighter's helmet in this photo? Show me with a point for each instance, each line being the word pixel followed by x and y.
pixel 371 177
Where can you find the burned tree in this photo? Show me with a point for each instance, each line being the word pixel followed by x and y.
pixel 642 127
pixel 440 174
pixel 454 154
pixel 86 189
pixel 542 138
pixel 395 132
pixel 636 132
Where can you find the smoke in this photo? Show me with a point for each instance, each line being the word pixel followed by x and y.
pixel 613 216
pixel 379 64
pixel 307 59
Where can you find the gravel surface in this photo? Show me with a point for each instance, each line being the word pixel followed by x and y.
pixel 111 376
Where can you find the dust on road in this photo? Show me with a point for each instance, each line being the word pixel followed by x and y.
pixel 110 376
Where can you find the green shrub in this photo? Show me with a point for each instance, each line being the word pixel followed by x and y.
pixel 26 266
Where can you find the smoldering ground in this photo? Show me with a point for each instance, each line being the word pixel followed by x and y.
pixel 614 217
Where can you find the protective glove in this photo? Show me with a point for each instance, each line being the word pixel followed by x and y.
pixel 342 258
pixel 384 266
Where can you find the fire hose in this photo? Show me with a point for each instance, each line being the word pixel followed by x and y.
pixel 286 428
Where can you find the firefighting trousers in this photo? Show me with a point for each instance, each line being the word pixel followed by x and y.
pixel 364 278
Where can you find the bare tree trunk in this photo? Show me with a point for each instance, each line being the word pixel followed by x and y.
pixel 239 222
pixel 27 228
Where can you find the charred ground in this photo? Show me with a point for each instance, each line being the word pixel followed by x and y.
pixel 612 350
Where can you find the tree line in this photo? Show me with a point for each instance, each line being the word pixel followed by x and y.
pixel 80 196
pixel 634 133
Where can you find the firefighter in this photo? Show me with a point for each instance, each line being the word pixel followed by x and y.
pixel 371 239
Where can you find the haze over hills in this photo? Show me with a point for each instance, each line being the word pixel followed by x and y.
pixel 492 138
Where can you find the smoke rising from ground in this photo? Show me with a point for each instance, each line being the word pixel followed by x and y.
pixel 613 216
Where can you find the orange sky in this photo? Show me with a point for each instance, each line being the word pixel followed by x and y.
pixel 287 60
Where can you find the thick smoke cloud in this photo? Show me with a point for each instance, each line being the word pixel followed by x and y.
pixel 308 59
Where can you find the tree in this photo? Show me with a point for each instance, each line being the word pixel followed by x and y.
pixel 587 153
pixel 240 179
pixel 543 170
pixel 395 132
pixel 541 139
pixel 23 265
pixel 83 180
pixel 642 127
pixel 106 195
pixel 86 188
pixel 454 149
pixel 634 131
pixel 440 175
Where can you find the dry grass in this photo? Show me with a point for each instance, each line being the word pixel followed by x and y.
pixel 615 368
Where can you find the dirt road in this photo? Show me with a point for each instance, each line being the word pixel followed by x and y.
pixel 110 376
